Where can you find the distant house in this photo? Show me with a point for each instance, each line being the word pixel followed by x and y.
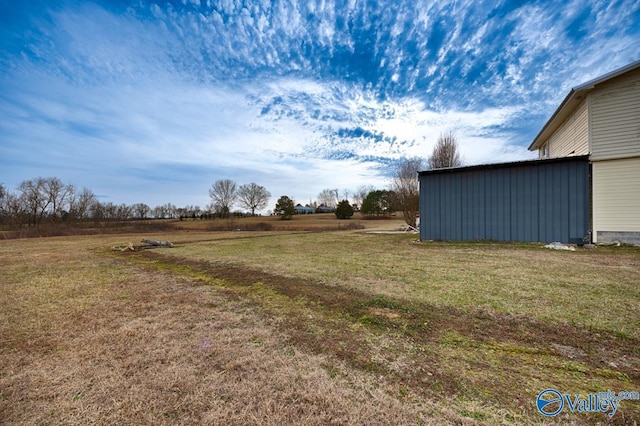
pixel 325 209
pixel 601 118
pixel 300 209
pixel 585 186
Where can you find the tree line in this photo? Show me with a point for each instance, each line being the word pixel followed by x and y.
pixel 49 200
pixel 44 200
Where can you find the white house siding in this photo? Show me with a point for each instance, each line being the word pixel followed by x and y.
pixel 572 137
pixel 616 200
pixel 614 116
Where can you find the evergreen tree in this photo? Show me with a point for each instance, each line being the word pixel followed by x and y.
pixel 284 208
pixel 344 210
pixel 377 203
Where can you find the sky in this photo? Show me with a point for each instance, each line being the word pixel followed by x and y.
pixel 152 102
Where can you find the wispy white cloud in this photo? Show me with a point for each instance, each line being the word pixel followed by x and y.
pixel 295 95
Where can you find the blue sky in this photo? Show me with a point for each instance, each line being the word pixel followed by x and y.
pixel 154 101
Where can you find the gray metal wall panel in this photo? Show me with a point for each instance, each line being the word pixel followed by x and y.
pixel 534 201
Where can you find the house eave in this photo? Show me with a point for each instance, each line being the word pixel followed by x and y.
pixel 573 99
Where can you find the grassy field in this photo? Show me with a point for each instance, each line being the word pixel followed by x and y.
pixel 287 326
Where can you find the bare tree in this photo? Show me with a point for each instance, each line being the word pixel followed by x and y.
pixel 166 211
pixel 224 194
pixel 34 198
pixel 58 195
pixel 406 188
pixel 171 210
pixel 110 211
pixel 346 194
pixel 141 210
pixel 361 193
pixel 123 212
pixel 80 203
pixel 14 209
pixel 253 196
pixel 159 212
pixel 328 197
pixel 445 153
pixel 96 211
pixel 3 200
pixel 44 197
pixel 195 211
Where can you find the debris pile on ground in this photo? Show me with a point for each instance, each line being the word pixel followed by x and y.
pixel 128 247
pixel 157 243
pixel 559 246
pixel 146 244
pixel 408 228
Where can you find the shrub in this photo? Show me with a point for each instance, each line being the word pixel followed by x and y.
pixel 344 210
pixel 285 208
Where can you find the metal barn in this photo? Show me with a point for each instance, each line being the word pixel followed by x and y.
pixel 538 200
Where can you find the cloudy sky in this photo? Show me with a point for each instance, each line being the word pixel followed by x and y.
pixel 152 102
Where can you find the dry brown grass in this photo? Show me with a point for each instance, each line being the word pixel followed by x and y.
pixel 284 327
pixel 298 223
pixel 88 340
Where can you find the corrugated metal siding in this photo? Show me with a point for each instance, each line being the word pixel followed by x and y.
pixel 616 195
pixel 572 138
pixel 614 115
pixel 534 201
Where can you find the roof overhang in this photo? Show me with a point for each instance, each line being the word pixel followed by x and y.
pixel 572 101
pixel 513 164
